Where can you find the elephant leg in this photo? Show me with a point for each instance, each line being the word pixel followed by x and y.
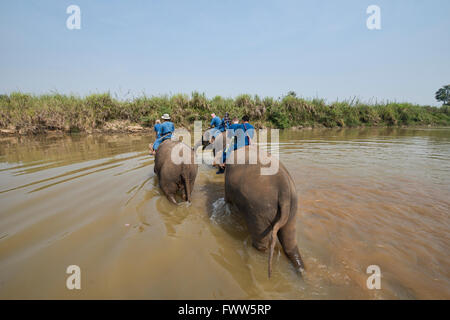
pixel 260 235
pixel 288 240
pixel 261 244
pixel 170 190
pixel 227 198
pixel 183 196
pixel 192 185
pixel 171 198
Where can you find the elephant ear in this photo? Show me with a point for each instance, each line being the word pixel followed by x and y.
pixel 207 135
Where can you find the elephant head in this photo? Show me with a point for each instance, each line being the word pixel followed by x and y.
pixel 207 139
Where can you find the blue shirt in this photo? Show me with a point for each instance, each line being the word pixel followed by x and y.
pixel 224 125
pixel 232 129
pixel 215 122
pixel 241 131
pixel 167 127
pixel 249 132
pixel 234 126
pixel 158 130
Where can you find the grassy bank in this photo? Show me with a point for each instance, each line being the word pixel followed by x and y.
pixel 27 114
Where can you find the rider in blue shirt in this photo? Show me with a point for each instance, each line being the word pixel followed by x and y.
pixel 235 125
pixel 166 131
pixel 241 135
pixel 216 123
pixel 167 127
pixel 225 123
pixel 232 133
pixel 248 129
pixel 157 128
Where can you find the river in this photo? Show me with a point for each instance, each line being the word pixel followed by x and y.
pixel 366 197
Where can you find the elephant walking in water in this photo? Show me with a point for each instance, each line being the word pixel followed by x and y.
pixel 268 202
pixel 172 176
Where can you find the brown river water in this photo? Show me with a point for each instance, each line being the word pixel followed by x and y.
pixel 366 197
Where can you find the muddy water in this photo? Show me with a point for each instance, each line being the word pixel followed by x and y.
pixel 367 197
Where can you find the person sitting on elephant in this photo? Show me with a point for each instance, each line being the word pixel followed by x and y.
pixel 231 129
pixel 241 135
pixel 225 124
pixel 235 124
pixel 157 128
pixel 167 129
pixel 249 130
pixel 216 123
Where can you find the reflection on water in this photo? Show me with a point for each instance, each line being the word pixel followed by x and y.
pixel 367 197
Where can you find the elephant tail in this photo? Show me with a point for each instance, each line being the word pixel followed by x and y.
pixel 284 210
pixel 273 238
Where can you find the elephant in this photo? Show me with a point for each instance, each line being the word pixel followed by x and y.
pixel 267 202
pixel 174 177
pixel 218 144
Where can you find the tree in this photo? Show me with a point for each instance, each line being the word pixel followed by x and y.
pixel 443 94
pixel 292 94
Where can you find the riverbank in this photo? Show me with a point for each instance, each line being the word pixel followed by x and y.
pixel 24 114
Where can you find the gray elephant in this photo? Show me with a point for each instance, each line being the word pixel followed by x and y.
pixel 267 202
pixel 217 144
pixel 175 176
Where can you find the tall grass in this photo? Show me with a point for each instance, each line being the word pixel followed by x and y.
pixel 27 113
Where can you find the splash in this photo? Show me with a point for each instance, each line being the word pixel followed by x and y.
pixel 220 211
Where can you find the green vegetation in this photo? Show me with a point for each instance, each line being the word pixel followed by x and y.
pixel 26 113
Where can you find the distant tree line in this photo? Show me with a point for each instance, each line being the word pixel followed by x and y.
pixel 25 113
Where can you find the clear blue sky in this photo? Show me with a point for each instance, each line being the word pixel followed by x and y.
pixel 316 48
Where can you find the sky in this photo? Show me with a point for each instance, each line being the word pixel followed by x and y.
pixel 218 47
